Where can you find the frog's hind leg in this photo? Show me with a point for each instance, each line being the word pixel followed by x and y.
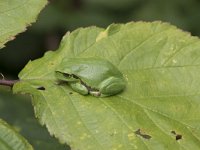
pixel 111 86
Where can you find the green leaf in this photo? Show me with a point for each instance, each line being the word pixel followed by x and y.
pixel 160 108
pixel 18 112
pixel 10 139
pixel 16 15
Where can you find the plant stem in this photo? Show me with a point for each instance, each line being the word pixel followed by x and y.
pixel 9 83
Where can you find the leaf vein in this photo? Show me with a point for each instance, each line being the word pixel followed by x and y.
pixel 164 115
pixel 82 119
pixel 177 52
pixel 140 44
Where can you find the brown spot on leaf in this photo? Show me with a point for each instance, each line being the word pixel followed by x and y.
pixel 142 134
pixel 178 136
pixel 41 88
pixel 173 132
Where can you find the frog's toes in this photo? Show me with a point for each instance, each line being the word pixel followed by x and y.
pixel 95 93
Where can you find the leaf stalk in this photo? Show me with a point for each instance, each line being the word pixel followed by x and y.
pixel 9 83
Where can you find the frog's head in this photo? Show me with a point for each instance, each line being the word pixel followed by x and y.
pixel 66 74
pixel 68 70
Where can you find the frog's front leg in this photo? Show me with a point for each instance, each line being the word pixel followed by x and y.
pixel 111 86
pixel 78 87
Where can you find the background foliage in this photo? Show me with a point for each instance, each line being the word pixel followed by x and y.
pixel 61 16
pixel 18 112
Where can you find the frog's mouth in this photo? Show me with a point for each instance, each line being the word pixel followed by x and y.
pixel 66 76
pixel 71 76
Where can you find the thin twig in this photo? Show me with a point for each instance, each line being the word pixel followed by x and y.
pixel 2 76
pixel 9 83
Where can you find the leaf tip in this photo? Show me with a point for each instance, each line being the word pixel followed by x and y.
pixel 110 30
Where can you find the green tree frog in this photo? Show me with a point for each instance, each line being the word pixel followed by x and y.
pixel 94 76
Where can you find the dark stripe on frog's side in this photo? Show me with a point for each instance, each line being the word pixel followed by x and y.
pixel 76 77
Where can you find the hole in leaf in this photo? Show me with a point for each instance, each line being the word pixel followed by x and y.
pixel 173 132
pixel 142 134
pixel 178 136
pixel 41 88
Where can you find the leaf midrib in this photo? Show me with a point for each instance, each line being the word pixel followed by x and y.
pixel 81 118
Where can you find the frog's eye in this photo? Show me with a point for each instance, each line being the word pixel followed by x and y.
pixel 74 76
pixel 69 75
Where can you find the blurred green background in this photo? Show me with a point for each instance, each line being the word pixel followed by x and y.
pixel 61 16
pixel 54 21
pixel 18 112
